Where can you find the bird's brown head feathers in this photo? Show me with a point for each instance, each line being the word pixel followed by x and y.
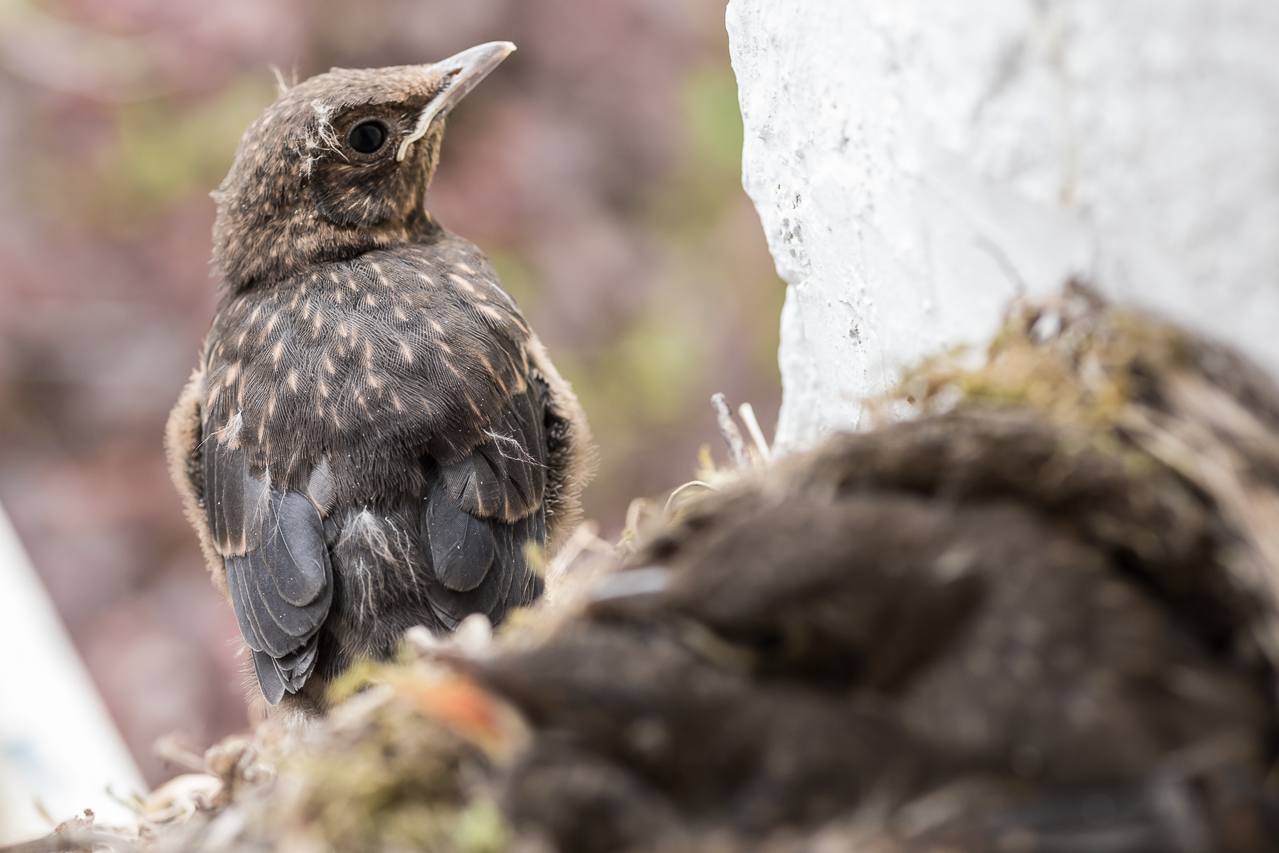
pixel 338 165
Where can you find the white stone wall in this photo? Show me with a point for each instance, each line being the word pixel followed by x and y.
pixel 917 163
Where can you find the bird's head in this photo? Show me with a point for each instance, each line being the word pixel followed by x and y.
pixel 338 165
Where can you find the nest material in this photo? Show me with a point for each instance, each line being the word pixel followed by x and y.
pixel 1041 614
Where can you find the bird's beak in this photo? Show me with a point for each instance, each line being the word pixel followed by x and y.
pixel 461 73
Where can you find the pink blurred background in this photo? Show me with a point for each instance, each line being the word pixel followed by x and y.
pixel 599 167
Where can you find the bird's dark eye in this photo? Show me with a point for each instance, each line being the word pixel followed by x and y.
pixel 367 136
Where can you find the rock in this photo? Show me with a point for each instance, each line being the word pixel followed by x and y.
pixel 916 166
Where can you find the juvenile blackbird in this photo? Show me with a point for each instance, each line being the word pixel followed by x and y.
pixel 373 434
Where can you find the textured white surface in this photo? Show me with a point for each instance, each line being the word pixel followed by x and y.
pixel 916 164
pixel 58 746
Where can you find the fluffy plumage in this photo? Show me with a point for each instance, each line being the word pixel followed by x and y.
pixel 373 434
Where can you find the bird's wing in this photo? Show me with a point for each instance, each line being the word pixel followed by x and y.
pixel 277 565
pixel 482 510
pixel 504 476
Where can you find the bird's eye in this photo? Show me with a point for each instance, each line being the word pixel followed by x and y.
pixel 367 137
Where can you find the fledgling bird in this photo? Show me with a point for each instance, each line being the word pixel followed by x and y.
pixel 373 434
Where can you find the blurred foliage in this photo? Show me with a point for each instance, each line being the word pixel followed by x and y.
pixel 165 151
pixel 159 152
pixel 711 109
pixel 652 376
pixel 516 276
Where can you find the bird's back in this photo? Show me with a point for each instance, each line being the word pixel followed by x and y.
pixel 391 419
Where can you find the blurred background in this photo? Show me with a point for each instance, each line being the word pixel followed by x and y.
pixel 599 167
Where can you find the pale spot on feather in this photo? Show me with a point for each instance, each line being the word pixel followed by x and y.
pixel 293 380
pixel 491 313
pixel 328 365
pixel 369 300
pixel 395 401
pixel 466 269
pixel 406 352
pixel 488 368
pixel 277 352
pixel 400 315
pixel 270 406
pixel 463 283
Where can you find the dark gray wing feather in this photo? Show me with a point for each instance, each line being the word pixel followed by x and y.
pixel 482 510
pixel 507 581
pixel 504 477
pixel 473 504
pixel 277 568
pixel 462 546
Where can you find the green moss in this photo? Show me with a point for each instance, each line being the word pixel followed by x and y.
pixel 1084 375
pixel 481 829
pixel 389 773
